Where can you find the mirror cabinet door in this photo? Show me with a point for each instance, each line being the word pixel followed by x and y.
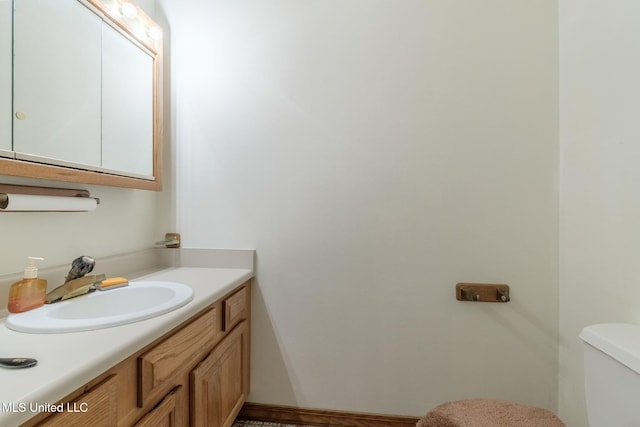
pixel 80 86
pixel 127 106
pixel 57 82
pixel 5 77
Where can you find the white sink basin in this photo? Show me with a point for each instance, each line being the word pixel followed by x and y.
pixel 103 309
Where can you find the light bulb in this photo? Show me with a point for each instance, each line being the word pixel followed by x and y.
pixel 129 10
pixel 155 32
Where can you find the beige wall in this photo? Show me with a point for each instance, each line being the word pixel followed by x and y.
pixel 600 209
pixel 375 153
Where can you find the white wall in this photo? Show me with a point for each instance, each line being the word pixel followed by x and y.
pixel 375 153
pixel 600 209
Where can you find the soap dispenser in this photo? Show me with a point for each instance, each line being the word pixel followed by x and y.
pixel 30 292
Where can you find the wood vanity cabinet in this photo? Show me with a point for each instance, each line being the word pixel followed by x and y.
pixel 195 375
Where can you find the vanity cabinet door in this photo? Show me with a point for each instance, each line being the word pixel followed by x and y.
pixel 220 383
pixel 5 77
pixel 127 106
pixel 57 82
pixel 164 414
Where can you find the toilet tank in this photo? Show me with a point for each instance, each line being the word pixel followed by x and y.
pixel 612 374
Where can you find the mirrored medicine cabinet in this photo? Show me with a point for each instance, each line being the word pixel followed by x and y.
pixel 80 100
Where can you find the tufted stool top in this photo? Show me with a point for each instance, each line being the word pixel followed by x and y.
pixel 488 413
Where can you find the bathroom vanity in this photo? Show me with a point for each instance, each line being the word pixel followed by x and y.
pixel 186 367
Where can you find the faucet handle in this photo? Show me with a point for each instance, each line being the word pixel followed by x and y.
pixel 79 267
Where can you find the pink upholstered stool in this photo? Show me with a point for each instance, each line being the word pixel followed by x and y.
pixel 488 413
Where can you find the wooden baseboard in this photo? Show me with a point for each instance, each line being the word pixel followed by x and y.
pixel 321 417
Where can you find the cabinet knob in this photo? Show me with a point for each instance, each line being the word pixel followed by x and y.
pixel 20 115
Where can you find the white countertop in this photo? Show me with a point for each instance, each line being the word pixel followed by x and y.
pixel 70 360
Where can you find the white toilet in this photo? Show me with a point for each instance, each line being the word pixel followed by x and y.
pixel 612 374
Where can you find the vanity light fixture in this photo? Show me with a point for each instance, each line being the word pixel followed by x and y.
pixel 21 198
pixel 133 20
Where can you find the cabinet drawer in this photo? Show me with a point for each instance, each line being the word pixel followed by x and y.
pixel 234 309
pixel 97 407
pixel 158 365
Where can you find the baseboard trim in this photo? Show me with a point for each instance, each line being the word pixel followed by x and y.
pixel 321 417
